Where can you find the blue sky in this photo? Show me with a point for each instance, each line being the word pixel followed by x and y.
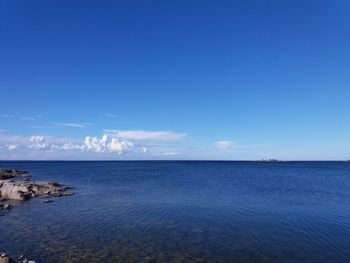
pixel 175 79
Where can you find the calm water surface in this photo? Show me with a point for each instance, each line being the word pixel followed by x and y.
pixel 185 212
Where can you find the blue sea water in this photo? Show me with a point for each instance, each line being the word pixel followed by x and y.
pixel 184 211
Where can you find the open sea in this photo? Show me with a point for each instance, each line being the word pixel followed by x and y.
pixel 184 211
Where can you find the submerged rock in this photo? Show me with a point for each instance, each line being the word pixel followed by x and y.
pixel 20 190
pixel 5 206
pixel 5 258
pixel 68 193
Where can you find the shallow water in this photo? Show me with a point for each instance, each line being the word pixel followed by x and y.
pixel 163 211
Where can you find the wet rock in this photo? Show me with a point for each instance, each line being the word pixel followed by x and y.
pixel 10 173
pixel 13 190
pixel 21 190
pixel 4 258
pixel 68 193
pixel 5 206
pixel 55 193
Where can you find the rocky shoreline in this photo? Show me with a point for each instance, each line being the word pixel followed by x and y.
pixel 5 258
pixel 15 185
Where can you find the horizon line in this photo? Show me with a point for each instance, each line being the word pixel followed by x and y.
pixel 171 160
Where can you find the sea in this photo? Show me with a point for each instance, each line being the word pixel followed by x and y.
pixel 183 211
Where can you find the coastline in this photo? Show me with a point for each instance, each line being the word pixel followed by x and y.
pixel 163 211
pixel 15 185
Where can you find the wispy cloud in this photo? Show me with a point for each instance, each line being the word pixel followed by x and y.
pixel 27 118
pixel 6 116
pixel 168 154
pixel 24 118
pixel 71 125
pixel 11 147
pixel 38 127
pixel 147 135
pixel 13 139
pixel 224 145
pixel 3 130
pixel 109 115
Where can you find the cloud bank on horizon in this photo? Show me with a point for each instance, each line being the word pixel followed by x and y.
pixel 111 144
pixel 117 144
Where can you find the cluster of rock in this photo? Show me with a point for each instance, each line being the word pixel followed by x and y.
pixel 10 173
pixel 15 185
pixel 20 190
pixel 4 258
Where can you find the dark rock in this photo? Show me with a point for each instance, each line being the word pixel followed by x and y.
pixel 55 193
pixel 7 206
pixel 10 173
pixel 68 193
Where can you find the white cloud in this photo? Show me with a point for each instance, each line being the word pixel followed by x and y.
pixel 113 145
pixel 120 146
pixel 38 127
pixel 147 135
pixel 168 153
pixel 71 125
pixel 13 139
pixel 144 149
pixel 90 144
pixel 66 146
pixel 94 144
pixel 27 118
pixel 11 146
pixel 38 142
pixel 6 116
pixel 105 144
pixel 224 145
pixel 109 115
